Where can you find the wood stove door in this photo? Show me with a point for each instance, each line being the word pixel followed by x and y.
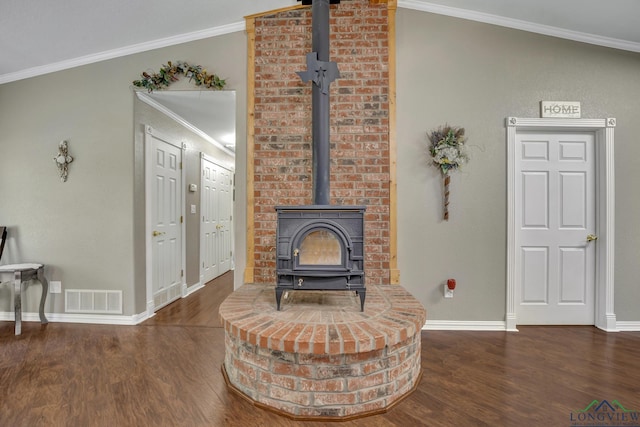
pixel 319 248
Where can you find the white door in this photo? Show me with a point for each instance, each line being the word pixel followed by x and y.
pixel 555 214
pixel 166 218
pixel 209 228
pixel 216 228
pixel 225 219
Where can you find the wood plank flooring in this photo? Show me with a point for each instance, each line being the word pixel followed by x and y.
pixel 166 372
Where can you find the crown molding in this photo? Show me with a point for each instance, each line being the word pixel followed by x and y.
pixel 124 51
pixel 240 26
pixel 517 24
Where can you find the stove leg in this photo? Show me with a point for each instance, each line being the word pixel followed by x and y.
pixel 278 297
pixel 362 294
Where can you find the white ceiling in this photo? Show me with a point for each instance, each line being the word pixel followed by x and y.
pixel 38 36
pixel 41 36
pixel 211 112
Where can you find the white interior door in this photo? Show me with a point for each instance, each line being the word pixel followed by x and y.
pixel 225 219
pixel 165 163
pixel 554 215
pixel 216 228
pixel 209 228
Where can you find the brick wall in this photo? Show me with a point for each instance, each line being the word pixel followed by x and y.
pixel 359 125
pixel 324 386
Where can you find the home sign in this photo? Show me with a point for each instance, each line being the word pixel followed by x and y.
pixel 563 109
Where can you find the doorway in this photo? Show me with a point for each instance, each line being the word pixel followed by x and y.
pixel 204 124
pixel 558 205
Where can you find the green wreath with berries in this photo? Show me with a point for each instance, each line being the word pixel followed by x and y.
pixel 170 73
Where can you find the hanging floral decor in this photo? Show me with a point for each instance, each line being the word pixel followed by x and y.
pixel 169 73
pixel 446 145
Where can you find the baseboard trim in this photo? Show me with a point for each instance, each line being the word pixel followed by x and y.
pixel 96 319
pixel 430 325
pixel 628 326
pixel 464 325
pixel 193 288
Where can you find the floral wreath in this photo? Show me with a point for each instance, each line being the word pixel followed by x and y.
pixel 448 151
pixel 169 74
pixel 447 148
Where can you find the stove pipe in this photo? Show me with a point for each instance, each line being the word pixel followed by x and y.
pixel 322 72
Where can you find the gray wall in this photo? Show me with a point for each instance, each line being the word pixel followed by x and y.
pixel 449 70
pixel 85 229
pixel 475 75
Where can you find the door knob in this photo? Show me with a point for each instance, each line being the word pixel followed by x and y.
pixel 591 237
pixel 158 233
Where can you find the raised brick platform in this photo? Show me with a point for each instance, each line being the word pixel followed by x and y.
pixel 320 356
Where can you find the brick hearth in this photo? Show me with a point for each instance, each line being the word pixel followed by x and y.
pixel 320 356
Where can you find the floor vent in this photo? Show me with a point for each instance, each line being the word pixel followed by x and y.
pixel 93 301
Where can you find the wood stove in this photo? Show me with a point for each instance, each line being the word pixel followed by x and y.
pixel 320 246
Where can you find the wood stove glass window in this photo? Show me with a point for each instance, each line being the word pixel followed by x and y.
pixel 320 247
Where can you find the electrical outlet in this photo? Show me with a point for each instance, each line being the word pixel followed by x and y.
pixel 448 293
pixel 55 287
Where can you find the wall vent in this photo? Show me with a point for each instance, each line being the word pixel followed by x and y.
pixel 92 301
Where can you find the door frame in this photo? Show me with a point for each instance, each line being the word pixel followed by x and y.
pixel 148 183
pixel 217 162
pixel 603 130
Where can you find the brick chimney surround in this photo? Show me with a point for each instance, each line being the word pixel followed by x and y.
pixel 323 355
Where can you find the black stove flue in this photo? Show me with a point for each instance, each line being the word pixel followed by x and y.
pixel 322 73
pixel 320 246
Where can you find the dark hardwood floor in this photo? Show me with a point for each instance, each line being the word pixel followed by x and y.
pixel 166 372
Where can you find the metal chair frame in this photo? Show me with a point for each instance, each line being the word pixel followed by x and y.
pixel 19 275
